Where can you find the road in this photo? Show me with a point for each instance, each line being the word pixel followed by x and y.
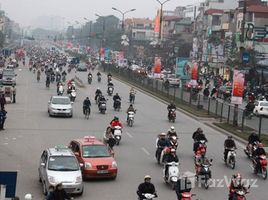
pixel 29 131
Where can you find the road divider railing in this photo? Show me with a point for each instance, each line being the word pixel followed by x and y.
pixel 194 103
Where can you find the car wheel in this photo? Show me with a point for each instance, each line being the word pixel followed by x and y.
pixel 114 177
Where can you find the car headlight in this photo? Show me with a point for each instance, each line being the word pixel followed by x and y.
pixel 88 165
pixel 114 164
pixel 51 180
pixel 78 179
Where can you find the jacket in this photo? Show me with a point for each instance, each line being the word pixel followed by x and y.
pixel 229 143
pixel 116 123
pixel 161 143
pixel 170 158
pixel 86 103
pixel 253 138
pixel 146 188
pixel 61 195
pixel 116 97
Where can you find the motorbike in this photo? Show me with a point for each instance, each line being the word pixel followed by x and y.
pixel 102 107
pixel 63 78
pixel 38 78
pixel 130 118
pixel 117 134
pixel 231 158
pixel 202 148
pixel 52 78
pixel 47 83
pixel 72 95
pixel 61 90
pixel 109 79
pixel 172 115
pixel 87 112
pixel 117 105
pixel 89 79
pixel 250 148
pixel 261 167
pixel 187 195
pixel 97 98
pixel 205 175
pixel 131 98
pixel 110 90
pixel 58 77
pixel 172 175
pixel 99 79
pixel 240 194
pixel 34 70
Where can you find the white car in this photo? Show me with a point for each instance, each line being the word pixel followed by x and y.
pixel 261 108
pixel 173 80
pixel 59 165
pixel 60 105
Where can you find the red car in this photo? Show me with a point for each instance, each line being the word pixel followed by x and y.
pixel 96 158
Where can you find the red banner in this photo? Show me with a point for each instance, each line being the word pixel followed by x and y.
pixel 157 65
pixel 157 24
pixel 238 87
pixel 195 71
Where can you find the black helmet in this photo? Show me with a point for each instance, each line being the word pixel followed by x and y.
pixel 87 98
pixel 230 137
pixel 116 118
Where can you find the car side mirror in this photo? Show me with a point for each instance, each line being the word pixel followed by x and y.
pixel 261 108
pixel 43 164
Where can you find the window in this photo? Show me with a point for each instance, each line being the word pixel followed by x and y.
pixel 63 163
pixel 95 151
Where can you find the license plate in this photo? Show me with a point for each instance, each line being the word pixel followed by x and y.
pixel 102 172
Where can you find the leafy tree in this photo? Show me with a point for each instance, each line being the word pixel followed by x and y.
pixel 2 39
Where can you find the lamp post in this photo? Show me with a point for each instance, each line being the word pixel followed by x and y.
pixel 123 16
pixel 161 18
pixel 103 28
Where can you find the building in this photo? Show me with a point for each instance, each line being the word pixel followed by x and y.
pixel 140 29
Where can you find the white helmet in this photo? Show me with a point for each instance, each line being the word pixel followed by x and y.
pixel 28 197
pixel 172 128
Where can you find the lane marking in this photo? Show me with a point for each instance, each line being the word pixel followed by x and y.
pixel 145 151
pixel 129 135
pixel 6 143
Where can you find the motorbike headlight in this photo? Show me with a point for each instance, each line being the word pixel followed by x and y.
pixel 78 179
pixel 88 165
pixel 114 164
pixel 51 180
pixel 174 179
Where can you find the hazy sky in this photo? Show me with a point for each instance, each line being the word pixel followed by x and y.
pixel 26 11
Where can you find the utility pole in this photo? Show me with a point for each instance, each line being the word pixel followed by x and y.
pixel 161 18
pixel 123 16
pixel 242 39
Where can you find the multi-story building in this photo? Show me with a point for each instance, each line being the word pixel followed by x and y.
pixel 140 29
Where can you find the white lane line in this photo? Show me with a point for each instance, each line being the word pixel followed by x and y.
pixel 145 151
pixel 6 143
pixel 129 135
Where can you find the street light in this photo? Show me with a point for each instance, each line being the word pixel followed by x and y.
pixel 123 16
pixel 161 18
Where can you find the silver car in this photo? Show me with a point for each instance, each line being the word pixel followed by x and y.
pixel 60 105
pixel 59 165
pixel 9 77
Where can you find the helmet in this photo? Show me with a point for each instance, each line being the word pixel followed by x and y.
pixel 146 177
pixel 98 88
pixel 172 151
pixel 130 105
pixel 162 134
pixel 28 197
pixel 87 98
pixel 116 118
pixel 200 130
pixel 172 128
pixel 230 137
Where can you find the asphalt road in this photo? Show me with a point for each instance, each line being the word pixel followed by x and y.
pixel 29 131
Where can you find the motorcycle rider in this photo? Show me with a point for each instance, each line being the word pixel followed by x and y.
pixel 132 93
pixel 171 157
pixel 101 100
pixel 116 98
pixel 229 144
pixel 86 105
pixel 145 188
pixel 130 109
pixel 253 138
pixel 171 132
pixel 199 161
pixel 115 122
pixel 170 107
pixel 249 108
pixel 257 153
pixel 38 74
pixel 110 137
pixel 236 183
pixel 198 136
pixel 97 93
pixel 161 143
pixel 98 74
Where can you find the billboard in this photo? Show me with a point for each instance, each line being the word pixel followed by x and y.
pixel 238 87
pixel 183 68
pixel 157 65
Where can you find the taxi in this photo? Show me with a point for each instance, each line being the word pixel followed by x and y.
pixel 95 157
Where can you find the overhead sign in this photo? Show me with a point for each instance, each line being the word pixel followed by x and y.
pixel 9 179
pixel 256 33
pixel 245 57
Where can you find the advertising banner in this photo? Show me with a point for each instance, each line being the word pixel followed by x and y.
pixel 182 68
pixel 195 71
pixel 238 87
pixel 157 24
pixel 107 54
pixel 157 65
pixel 102 54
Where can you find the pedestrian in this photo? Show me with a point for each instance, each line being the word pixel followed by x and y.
pixel 60 193
pixel 50 194
pixel 3 117
pixel 2 101
pixel 14 93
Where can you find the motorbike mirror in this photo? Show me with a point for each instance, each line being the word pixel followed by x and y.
pixel 211 160
pixel 249 186
pixel 261 108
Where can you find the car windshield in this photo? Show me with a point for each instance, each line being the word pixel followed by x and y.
pixel 8 73
pixel 63 163
pixel 61 101
pixel 265 104
pixel 82 66
pixel 95 151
